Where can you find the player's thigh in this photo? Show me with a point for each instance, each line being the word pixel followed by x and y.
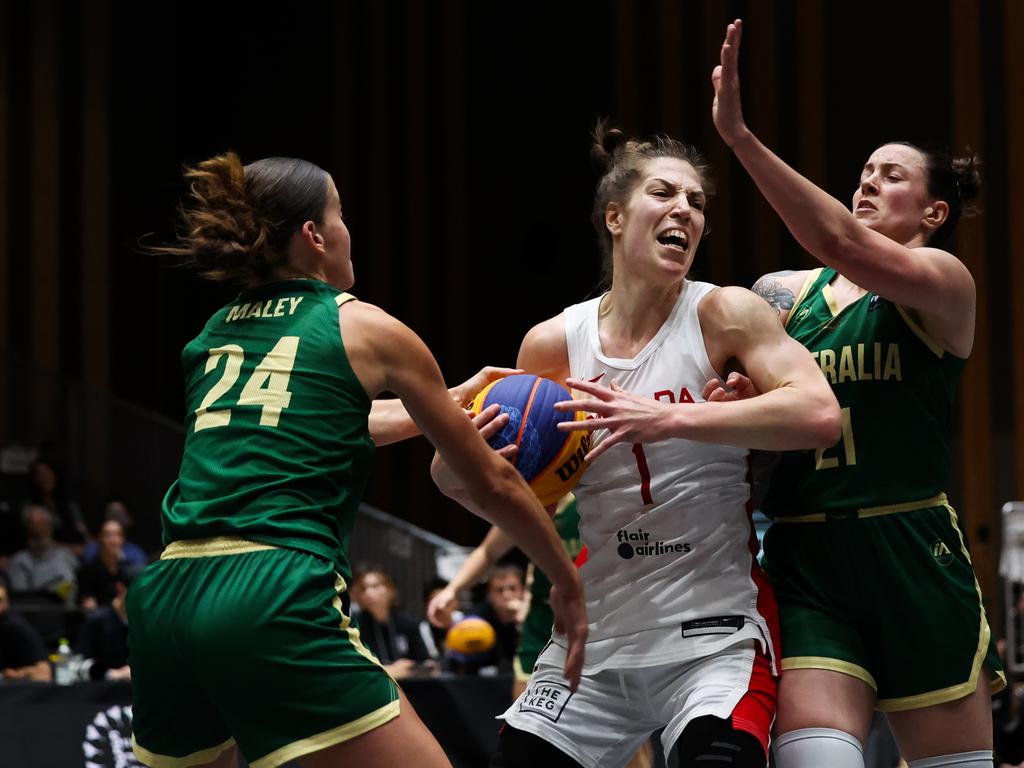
pixel 403 741
pixel 963 725
pixel 822 698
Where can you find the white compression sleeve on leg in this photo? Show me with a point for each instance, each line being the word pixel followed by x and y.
pixel 816 747
pixel 979 759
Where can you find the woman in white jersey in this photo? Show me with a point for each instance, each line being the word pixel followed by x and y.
pixel 681 632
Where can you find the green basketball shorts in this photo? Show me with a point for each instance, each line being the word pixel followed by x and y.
pixel 236 642
pixel 891 599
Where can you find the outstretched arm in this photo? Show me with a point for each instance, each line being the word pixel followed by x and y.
pixel 390 422
pixel 480 560
pixel 796 410
pixel 929 280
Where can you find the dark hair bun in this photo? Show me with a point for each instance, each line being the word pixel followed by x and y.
pixel 967 172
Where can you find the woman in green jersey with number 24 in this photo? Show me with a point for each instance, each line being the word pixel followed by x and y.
pixel 879 605
pixel 240 636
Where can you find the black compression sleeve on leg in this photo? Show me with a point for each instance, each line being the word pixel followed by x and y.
pixel 520 749
pixel 711 740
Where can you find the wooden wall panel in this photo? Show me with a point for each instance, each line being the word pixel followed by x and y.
pixel 95 195
pixel 762 106
pixel 1014 29
pixel 810 20
pixel 45 159
pixel 977 507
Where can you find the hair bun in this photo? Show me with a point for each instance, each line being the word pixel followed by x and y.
pixel 967 173
pixel 606 142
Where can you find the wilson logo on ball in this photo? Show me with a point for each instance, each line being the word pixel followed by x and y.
pixel 550 460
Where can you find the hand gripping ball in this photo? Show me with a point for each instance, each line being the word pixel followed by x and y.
pixel 550 460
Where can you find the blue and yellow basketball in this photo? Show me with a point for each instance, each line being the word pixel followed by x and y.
pixel 470 639
pixel 550 460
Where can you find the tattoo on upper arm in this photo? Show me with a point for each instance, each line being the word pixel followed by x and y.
pixel 774 292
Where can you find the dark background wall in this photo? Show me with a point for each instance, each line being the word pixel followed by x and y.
pixel 458 135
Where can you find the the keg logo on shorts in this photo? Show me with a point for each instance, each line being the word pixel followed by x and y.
pixel 546 698
pixel 941 552
pixel 108 739
pixel 638 542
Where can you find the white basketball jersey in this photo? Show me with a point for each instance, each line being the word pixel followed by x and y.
pixel 671 572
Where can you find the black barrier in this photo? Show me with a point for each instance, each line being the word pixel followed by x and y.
pixel 88 725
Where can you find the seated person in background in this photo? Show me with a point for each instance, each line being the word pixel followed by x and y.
pixel 46 489
pixel 134 556
pixel 103 638
pixel 42 566
pixel 501 608
pixel 22 656
pixel 99 580
pixel 392 635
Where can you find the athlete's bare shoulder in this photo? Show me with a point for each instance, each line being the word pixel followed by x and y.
pixel 544 350
pixel 780 289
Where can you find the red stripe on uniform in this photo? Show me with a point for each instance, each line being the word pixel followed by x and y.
pixel 581 558
pixel 756 709
pixel 766 605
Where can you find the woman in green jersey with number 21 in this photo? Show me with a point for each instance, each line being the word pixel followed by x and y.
pixel 240 636
pixel 879 605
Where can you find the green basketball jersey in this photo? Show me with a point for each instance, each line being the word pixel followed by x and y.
pixel 277 448
pixel 895 386
pixel 537 625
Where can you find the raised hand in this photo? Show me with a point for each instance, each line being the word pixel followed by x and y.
pixel 489 421
pixel 727 109
pixel 628 418
pixel 571 620
pixel 441 605
pixel 464 393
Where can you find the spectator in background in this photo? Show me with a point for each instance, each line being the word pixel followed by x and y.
pixel 391 634
pixel 134 556
pixel 104 639
pixel 100 580
pixel 22 656
pixel 43 566
pixel 46 489
pixel 501 608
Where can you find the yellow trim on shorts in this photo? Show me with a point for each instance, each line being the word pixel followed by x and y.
pixel 886 509
pixel 814 273
pixel 346 623
pixel 960 690
pixel 219 545
pixel 344 298
pixel 164 761
pixel 920 332
pixel 329 738
pixel 831 665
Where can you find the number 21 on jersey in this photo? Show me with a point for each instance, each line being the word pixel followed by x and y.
pixel 821 461
pixel 266 387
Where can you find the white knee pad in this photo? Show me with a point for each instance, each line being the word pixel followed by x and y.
pixel 817 747
pixel 982 758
